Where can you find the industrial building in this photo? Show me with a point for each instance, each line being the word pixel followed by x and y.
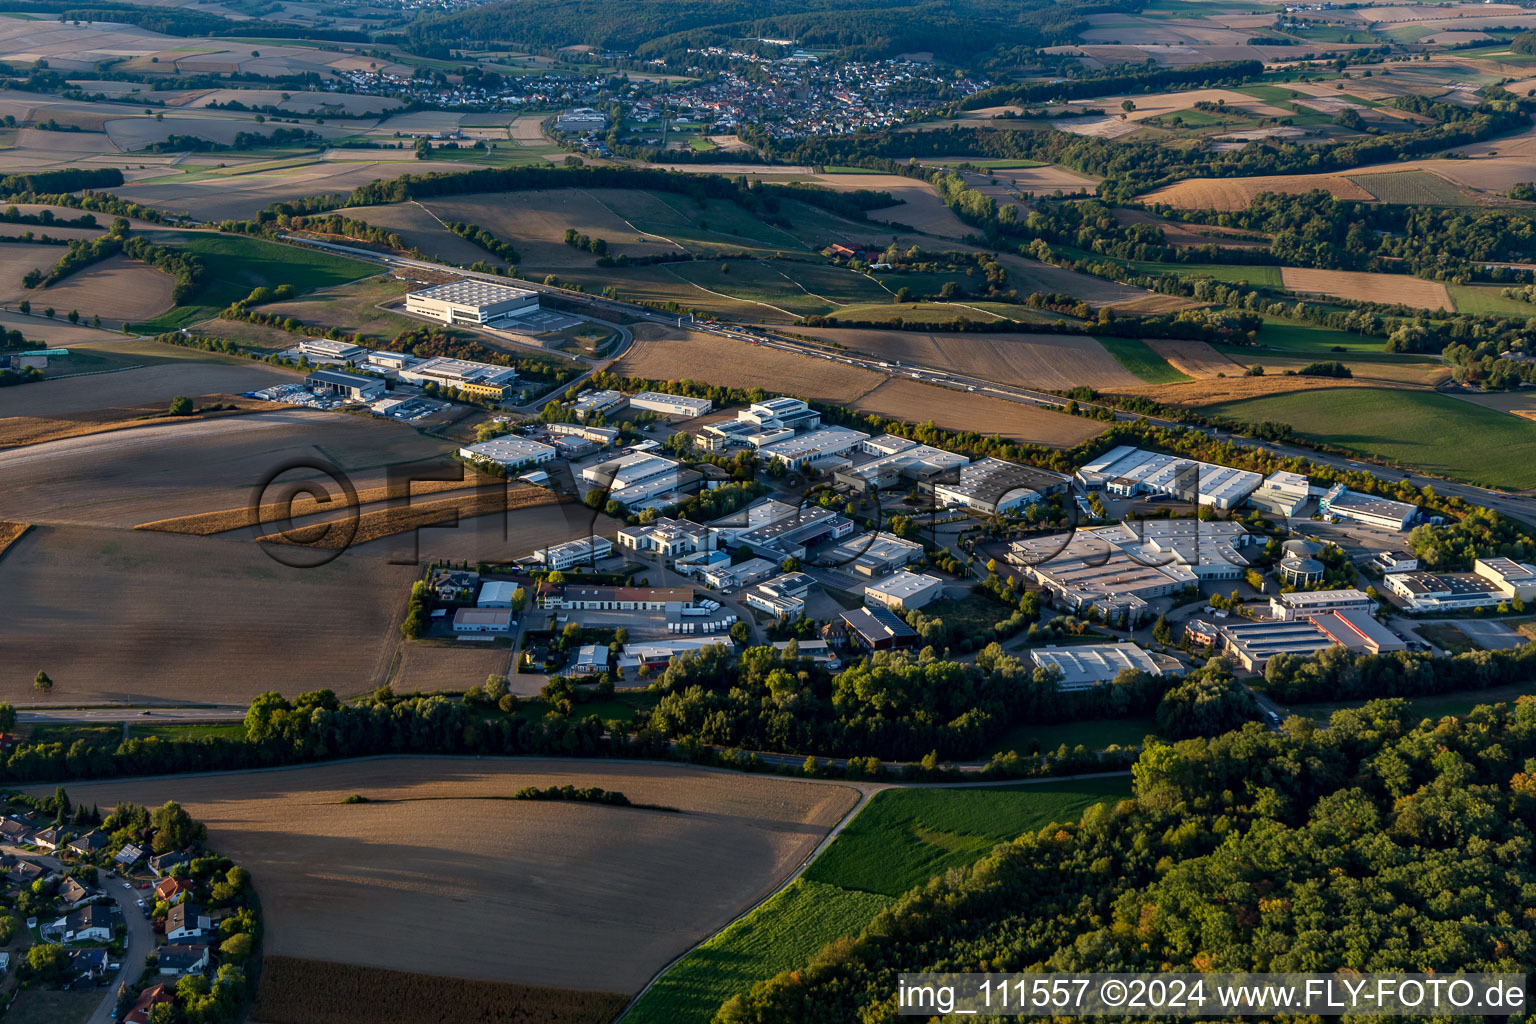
pixel 482 620
pixel 760 424
pixel 497 594
pixel 391 360
pixel 471 302
pixel 658 654
pixel 589 402
pixel 1121 567
pixel 597 435
pixel 1282 494
pixel 898 460
pixel 590 660
pixel 349 385
pixel 1084 666
pixel 636 476
pixel 509 452
pixel 483 380
pixel 904 591
pixel 1252 644
pixel 670 405
pixel 812 448
pixel 1127 472
pixel 1491 582
pixel 325 348
pixel 995 487
pixel 1342 503
pixel 1298 604
pixel 581 119
pixel 1358 631
pixel 791 536
pixel 667 538
pixel 1301 572
pixel 581 551
pixel 590 598
pixel 742 574
pixel 782 597
pixel 872 554
pixel 878 629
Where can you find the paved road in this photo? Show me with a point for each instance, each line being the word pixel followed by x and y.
pixel 144 715
pixel 141 942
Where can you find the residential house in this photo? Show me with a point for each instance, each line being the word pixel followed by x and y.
pixel 129 855
pixel 150 998
pixel 27 872
pixel 91 923
pixel 161 865
pixel 14 830
pixel 170 889
pixel 88 963
pixel 49 838
pixel 91 843
pixel 73 892
pixel 177 958
pixel 186 921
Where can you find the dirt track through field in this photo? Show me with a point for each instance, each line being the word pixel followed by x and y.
pixel 437 875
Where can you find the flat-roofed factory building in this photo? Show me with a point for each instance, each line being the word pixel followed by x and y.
pixel 471 302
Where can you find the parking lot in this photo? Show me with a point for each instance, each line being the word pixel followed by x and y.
pixel 1492 636
pixel 538 321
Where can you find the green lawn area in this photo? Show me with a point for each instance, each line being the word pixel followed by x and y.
pixel 1309 339
pixel 1137 358
pixel 717 226
pixel 1485 299
pixel 780 935
pixel 191 731
pixel 900 840
pixel 1094 734
pixel 699 144
pixel 1268 93
pixel 1429 431
pixel 235 264
pixel 1228 273
pixel 906 836
pixel 69 732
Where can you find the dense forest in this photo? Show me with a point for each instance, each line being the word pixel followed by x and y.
pixel 1380 843
pixel 952 29
pixel 1150 77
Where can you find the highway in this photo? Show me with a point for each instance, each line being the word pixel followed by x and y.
pixel 1522 507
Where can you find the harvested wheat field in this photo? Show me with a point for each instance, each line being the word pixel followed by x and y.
pixel 1215 391
pixel 1516 403
pixel 330 532
pixel 1238 193
pixel 140 385
pixel 437 667
pixel 175 468
pixel 1194 358
pixel 1177 233
pixel 920 205
pixel 1387 289
pixel 438 874
pixel 913 402
pixel 16 431
pixel 16 259
pixel 670 354
pixel 1054 362
pixel 206 524
pixel 164 608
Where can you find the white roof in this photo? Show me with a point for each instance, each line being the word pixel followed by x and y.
pixel 1087 664
pixel 472 293
pixel 902 585
pixel 1303 598
pixel 509 449
pixel 497 590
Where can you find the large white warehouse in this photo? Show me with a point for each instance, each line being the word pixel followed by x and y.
pixel 472 302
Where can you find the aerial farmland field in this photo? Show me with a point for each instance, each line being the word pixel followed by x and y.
pixel 499 902
pixel 1432 432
